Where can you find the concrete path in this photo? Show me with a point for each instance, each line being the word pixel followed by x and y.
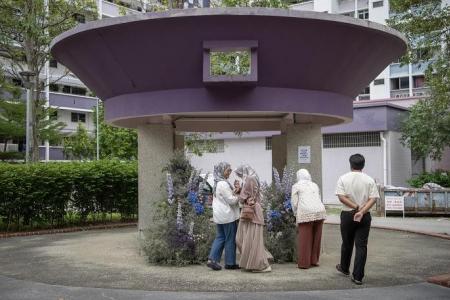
pixel 13 289
pixel 423 225
pixel 110 259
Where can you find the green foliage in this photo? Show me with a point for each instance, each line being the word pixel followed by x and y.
pixel 426 25
pixel 440 177
pixel 427 129
pixel 230 63
pixel 179 234
pixel 80 145
pixel 12 156
pixel 26 31
pixel 37 194
pixel 199 143
pixel 115 142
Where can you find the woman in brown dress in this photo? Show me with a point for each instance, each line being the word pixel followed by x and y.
pixel 249 238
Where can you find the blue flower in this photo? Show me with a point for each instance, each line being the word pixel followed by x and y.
pixel 193 197
pixel 287 204
pixel 275 214
pixel 199 209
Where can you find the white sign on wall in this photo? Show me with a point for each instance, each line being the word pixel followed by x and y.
pixel 304 154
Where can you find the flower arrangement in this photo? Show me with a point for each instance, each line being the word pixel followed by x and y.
pixel 181 232
pixel 280 220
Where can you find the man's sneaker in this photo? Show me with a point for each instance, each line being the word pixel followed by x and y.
pixel 358 282
pixel 339 268
pixel 213 265
pixel 232 267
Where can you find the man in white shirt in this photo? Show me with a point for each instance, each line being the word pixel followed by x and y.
pixel 358 193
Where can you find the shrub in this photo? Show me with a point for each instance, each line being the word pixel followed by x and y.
pixel 440 177
pixel 280 220
pixel 46 194
pixel 181 232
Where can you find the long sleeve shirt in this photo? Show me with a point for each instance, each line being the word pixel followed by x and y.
pixel 225 204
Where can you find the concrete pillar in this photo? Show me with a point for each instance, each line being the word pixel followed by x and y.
pixel 155 148
pixel 179 142
pixel 279 152
pixel 305 135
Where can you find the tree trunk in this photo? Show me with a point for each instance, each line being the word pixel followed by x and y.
pixel 6 144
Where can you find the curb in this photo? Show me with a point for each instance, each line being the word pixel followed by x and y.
pixel 437 235
pixel 66 230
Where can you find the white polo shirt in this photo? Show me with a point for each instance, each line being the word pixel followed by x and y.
pixel 359 187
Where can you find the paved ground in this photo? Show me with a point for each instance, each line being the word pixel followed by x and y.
pixel 427 225
pixel 110 259
pixel 13 289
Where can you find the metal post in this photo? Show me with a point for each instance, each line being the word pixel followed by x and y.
pixel 28 127
pixel 47 89
pixel 98 136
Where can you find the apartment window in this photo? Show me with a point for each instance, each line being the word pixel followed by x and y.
pixel 78 91
pixel 418 81
pixel 349 14
pixel 354 139
pixel 366 90
pixel 54 87
pixel 269 143
pixel 66 89
pixel 378 81
pixel 400 83
pixel 78 117
pixel 377 4
pixel 363 14
pixel 53 63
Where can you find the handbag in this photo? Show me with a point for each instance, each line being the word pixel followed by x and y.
pixel 247 212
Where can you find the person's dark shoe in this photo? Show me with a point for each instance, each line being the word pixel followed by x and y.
pixel 214 265
pixel 339 268
pixel 358 282
pixel 232 267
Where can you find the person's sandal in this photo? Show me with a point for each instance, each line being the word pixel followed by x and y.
pixel 339 268
pixel 213 265
pixel 358 282
pixel 266 270
pixel 232 267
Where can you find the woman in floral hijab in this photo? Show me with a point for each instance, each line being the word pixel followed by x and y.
pixel 250 239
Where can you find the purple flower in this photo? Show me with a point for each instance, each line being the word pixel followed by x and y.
pixel 276 179
pixel 170 193
pixel 275 214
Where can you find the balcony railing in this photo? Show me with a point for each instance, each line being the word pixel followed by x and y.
pixel 416 92
pixel 403 93
pixel 114 10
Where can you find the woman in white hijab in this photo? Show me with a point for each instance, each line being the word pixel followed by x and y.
pixel 310 214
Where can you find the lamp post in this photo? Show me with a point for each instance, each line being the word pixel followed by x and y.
pixel 28 76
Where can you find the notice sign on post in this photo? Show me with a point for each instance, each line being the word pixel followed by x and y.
pixel 396 203
pixel 304 154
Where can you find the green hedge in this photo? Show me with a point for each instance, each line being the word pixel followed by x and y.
pixel 440 177
pixel 55 194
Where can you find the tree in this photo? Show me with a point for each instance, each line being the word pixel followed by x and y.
pixel 12 113
pixel 80 145
pixel 26 31
pixel 426 24
pixel 115 142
